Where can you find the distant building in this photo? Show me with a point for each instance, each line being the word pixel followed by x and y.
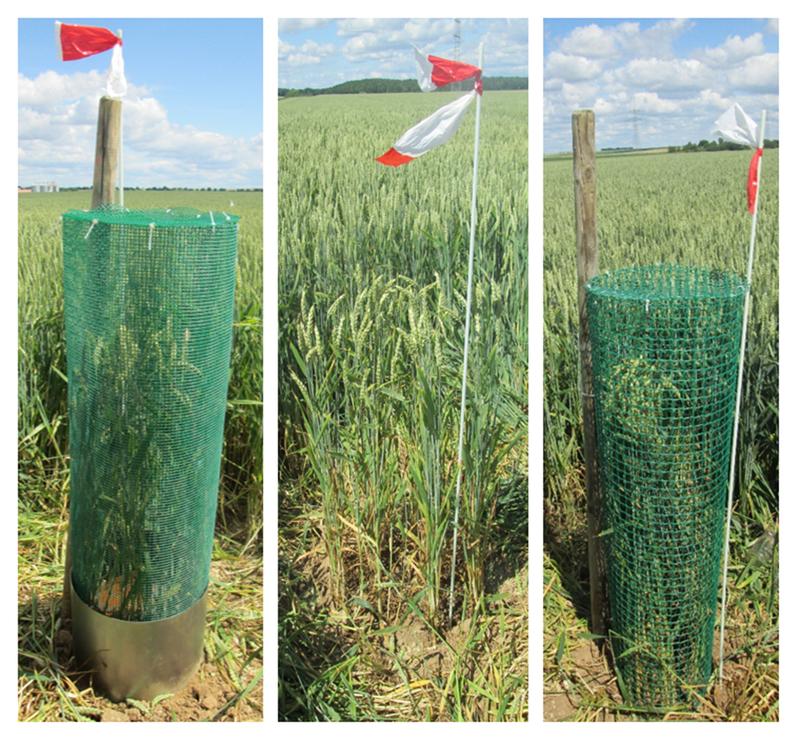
pixel 51 187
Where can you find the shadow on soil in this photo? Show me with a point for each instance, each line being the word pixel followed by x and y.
pixel 568 550
pixel 510 553
pixel 309 651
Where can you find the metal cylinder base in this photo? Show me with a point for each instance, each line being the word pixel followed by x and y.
pixel 138 659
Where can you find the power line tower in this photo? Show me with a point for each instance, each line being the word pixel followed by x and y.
pixel 457 49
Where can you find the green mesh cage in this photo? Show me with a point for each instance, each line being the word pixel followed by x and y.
pixel 148 300
pixel 665 351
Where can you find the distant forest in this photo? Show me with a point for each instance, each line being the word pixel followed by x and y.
pixel 705 145
pixel 382 85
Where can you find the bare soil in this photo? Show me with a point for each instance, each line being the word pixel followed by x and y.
pixel 424 653
pixel 587 676
pixel 204 699
pixel 208 696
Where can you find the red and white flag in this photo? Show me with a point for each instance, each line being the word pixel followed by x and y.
pixel 736 126
pixel 435 72
pixel 439 127
pixel 76 42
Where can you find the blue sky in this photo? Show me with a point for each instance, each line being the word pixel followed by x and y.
pixel 656 82
pixel 192 117
pixel 319 53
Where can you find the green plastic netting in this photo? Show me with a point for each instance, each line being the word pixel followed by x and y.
pixel 148 304
pixel 665 351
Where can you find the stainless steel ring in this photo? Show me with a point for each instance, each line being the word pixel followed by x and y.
pixel 138 659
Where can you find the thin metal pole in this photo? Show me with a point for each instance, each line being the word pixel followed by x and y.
pixel 473 223
pixel 742 345
pixel 121 150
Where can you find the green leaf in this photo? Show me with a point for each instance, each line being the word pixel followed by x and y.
pixel 562 645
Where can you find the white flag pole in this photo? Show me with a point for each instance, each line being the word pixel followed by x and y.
pixel 473 223
pixel 742 345
pixel 121 149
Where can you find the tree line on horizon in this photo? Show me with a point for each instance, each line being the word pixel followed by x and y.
pixel 159 188
pixel 718 145
pixel 385 85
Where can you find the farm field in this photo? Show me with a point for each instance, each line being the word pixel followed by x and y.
pixel 372 279
pixel 690 209
pixel 229 683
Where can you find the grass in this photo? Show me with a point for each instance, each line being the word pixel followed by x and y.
pixel 49 687
pixel 663 208
pixel 371 298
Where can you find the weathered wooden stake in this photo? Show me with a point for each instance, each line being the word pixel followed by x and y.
pixel 585 178
pixel 107 151
pixel 107 156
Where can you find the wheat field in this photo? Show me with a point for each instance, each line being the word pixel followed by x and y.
pixel 372 286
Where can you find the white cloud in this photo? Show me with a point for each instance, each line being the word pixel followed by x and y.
pixel 771 26
pixel 309 52
pixel 57 119
pixel 712 99
pixel 50 86
pixel 380 40
pixel 299 59
pixel 666 74
pixel 649 102
pixel 647 89
pixel 628 37
pixel 756 73
pixel 590 41
pixel 367 46
pixel 603 106
pixel 570 67
pixel 655 41
pixel 313 47
pixel 284 49
pixel 578 95
pixel 355 26
pixel 289 25
pixel 735 49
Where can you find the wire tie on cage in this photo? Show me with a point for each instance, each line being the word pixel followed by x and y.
pixel 213 225
pixel 150 236
pixel 647 306
pixel 227 218
pixel 89 231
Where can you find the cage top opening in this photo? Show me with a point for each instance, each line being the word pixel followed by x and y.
pixel 177 217
pixel 666 282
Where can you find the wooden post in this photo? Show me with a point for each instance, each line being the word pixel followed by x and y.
pixel 106 167
pixel 107 151
pixel 585 178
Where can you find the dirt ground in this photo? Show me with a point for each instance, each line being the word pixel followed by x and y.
pixel 589 690
pixel 228 686
pixel 208 696
pixel 401 656
pixel 588 675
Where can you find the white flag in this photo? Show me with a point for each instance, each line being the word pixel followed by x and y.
pixel 736 126
pixel 429 133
